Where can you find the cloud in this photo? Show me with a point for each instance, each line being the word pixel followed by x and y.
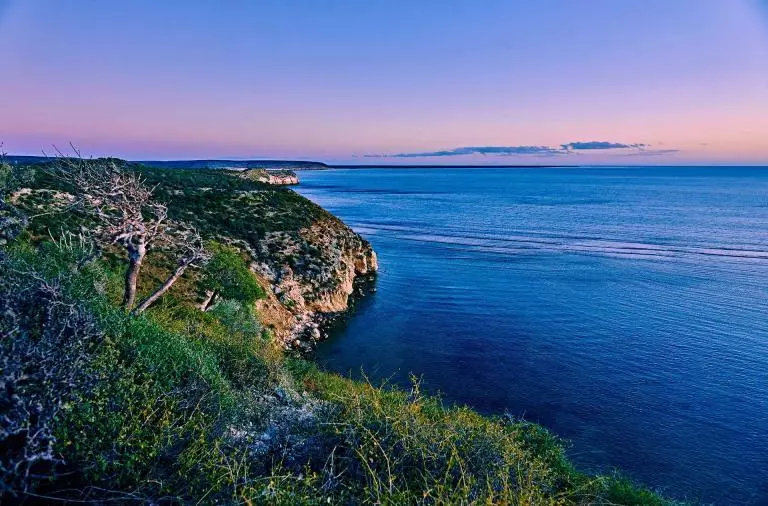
pixel 653 152
pixel 562 149
pixel 600 145
pixel 480 150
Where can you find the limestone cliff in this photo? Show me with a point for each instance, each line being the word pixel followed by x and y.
pixel 312 273
pixel 276 177
pixel 306 258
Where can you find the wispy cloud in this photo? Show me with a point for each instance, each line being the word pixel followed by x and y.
pixel 600 145
pixel 563 149
pixel 653 152
pixel 480 150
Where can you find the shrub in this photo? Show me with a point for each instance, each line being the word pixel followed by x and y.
pixel 227 276
pixel 237 318
pixel 47 339
pixel 14 177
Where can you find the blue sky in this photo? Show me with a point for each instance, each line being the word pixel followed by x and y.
pixel 682 81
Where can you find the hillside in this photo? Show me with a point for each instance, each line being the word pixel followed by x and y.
pixel 243 164
pixel 198 399
pixel 197 164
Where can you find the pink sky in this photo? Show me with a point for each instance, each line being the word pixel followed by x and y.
pixel 689 79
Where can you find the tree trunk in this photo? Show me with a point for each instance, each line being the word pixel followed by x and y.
pixel 210 298
pixel 160 291
pixel 135 257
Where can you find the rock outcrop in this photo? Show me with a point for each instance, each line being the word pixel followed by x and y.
pixel 313 274
pixel 277 177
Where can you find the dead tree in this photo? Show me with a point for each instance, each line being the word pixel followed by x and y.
pixel 122 206
pixel 193 255
pixel 126 215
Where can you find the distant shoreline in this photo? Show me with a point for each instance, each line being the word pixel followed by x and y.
pixel 464 166
pixel 303 165
pixel 492 166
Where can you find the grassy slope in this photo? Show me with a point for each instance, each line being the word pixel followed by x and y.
pixel 188 406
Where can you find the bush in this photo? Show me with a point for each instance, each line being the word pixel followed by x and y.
pixel 227 275
pixel 14 177
pixel 5 175
pixel 237 318
pixel 47 339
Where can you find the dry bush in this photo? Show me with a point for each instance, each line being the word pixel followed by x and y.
pixel 46 339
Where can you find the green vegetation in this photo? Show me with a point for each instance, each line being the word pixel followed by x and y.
pixel 231 206
pixel 178 404
pixel 218 203
pixel 13 177
pixel 227 275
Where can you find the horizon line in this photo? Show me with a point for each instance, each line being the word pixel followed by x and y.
pixel 415 165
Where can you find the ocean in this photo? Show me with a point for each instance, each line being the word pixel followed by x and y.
pixel 624 308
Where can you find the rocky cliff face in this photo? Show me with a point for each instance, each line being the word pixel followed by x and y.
pixel 283 178
pixel 312 274
pixel 276 177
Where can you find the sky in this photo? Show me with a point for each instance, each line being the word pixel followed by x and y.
pixel 387 81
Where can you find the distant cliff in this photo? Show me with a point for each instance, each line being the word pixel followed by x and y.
pixel 271 176
pixel 237 164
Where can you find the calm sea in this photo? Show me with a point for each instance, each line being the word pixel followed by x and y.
pixel 626 309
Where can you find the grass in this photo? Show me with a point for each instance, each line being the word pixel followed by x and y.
pixel 185 408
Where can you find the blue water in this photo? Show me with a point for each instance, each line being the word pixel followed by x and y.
pixel 626 309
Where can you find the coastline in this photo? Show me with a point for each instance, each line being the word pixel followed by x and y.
pixel 317 327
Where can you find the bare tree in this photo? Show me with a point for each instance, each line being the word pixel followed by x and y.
pixel 193 255
pixel 127 215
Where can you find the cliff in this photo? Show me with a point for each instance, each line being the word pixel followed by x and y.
pixel 312 273
pixel 307 259
pixel 276 177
